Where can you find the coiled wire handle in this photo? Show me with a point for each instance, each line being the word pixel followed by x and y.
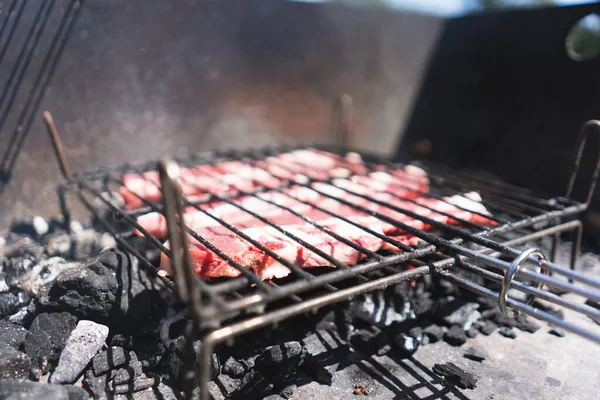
pixel 510 274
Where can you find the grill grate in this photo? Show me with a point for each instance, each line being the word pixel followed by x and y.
pixel 516 211
pixel 247 302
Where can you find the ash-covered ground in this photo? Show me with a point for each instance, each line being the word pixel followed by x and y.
pixel 81 319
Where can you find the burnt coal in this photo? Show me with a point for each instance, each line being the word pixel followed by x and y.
pixel 96 385
pixel 22 246
pixel 12 334
pixel 475 353
pixel 472 332
pixel 59 244
pixel 13 363
pixel 83 343
pixel 313 368
pixel 455 336
pixel 10 302
pixel 129 373
pixel 121 340
pixel 19 389
pixel 452 373
pixel 557 332
pixel 504 321
pixel 290 353
pixel 487 327
pixel 416 332
pixel 139 384
pixel 108 359
pixel 435 333
pixel 234 368
pixel 150 351
pixel 46 338
pixel 526 324
pixel 405 345
pixel 254 385
pixel 110 289
pixel 507 332
pixel 228 384
pixel 15 269
pixel 461 313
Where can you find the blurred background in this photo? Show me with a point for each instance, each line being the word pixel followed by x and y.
pixel 479 84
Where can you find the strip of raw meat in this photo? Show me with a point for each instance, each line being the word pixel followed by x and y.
pixel 207 264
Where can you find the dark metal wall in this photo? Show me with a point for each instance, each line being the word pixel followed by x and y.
pixel 502 94
pixel 141 78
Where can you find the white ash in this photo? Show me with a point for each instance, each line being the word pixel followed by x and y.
pixel 40 225
pixel 380 311
pixel 44 272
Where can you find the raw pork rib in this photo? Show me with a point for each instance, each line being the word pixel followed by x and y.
pixel 391 195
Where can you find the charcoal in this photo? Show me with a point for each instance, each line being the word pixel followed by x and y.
pixel 11 302
pixel 12 334
pixel 22 246
pixel 455 336
pixel 20 389
pixel 596 305
pixel 58 245
pixel 453 373
pixel 13 363
pixel 379 309
pixel 121 341
pixel 465 314
pixel 45 272
pixel 288 391
pixel 435 333
pixel 110 289
pixel 254 385
pixel 405 345
pixel 504 321
pixel 35 227
pixel 228 384
pixel 97 385
pixel 109 359
pixel 475 353
pixel 140 384
pixel 422 304
pixel 507 332
pixel 317 371
pixel 416 332
pixel 383 344
pixel 488 327
pixel 233 368
pixel 177 353
pixel 16 269
pixel 526 324
pixel 84 342
pixel 160 391
pixel 149 351
pixel 290 353
pixel 127 375
pixel 21 317
pixel 85 243
pixel 46 338
pixel 472 332
pixel 557 332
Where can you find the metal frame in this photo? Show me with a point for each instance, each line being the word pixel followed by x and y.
pixel 226 302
